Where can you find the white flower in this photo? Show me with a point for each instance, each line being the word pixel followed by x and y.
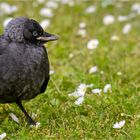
pixel 14 117
pixel 126 29
pixel 118 125
pixel 123 18
pixel 80 91
pixel 7 9
pixel 93 69
pixel 107 87
pixel 115 38
pixel 82 25
pixel 119 73
pixel 52 4
pixel 93 44
pixel 45 23
pixel 71 55
pixel 106 3
pixel 69 2
pixel 46 12
pixel 90 9
pixel 36 126
pixel 108 19
pixel 33 115
pixel 102 72
pixel 6 21
pixel 79 101
pixel 135 7
pixel 97 91
pixel 40 1
pixel 89 85
pixel 81 32
pixel 2 136
pixel 51 72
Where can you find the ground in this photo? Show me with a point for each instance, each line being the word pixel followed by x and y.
pixel 118 63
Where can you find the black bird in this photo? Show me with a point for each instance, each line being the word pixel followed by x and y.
pixel 24 64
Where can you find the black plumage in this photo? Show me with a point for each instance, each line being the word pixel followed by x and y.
pixel 24 64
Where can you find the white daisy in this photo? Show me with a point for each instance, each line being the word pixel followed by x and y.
pixel 2 136
pixel 45 23
pixel 52 4
pixel 40 1
pixel 7 9
pixel 119 73
pixel 135 7
pixel 69 2
pixel 118 125
pixel 14 117
pixel 6 21
pixel 107 87
pixel 90 9
pixel 108 19
pixel 51 72
pixel 115 38
pixel 82 32
pixel 47 12
pixel 123 18
pixel 127 28
pixel 93 69
pixel 82 25
pixel 93 44
pixel 97 91
pixel 71 55
pixel 80 91
pixel 79 101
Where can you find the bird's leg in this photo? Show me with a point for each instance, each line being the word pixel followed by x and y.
pixel 29 119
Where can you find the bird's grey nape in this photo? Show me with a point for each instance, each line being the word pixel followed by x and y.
pixel 14 29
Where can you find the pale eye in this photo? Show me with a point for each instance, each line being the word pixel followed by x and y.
pixel 35 33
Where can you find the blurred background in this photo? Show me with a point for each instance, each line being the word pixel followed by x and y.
pixel 97 56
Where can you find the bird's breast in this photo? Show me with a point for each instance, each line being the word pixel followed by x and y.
pixel 23 70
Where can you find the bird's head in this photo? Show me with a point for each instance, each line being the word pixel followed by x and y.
pixel 22 29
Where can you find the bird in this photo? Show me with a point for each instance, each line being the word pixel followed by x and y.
pixel 24 63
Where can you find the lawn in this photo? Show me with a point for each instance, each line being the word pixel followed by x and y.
pixel 117 60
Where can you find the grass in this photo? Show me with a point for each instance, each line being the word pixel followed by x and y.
pixel 60 118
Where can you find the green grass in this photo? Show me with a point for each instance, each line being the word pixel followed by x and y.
pixel 60 118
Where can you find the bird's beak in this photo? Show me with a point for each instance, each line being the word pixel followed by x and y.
pixel 47 37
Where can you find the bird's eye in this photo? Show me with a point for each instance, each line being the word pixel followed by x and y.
pixel 35 33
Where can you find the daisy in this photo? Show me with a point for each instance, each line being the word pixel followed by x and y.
pixel 45 23
pixel 93 44
pixel 14 117
pixel 108 19
pixel 93 69
pixel 97 91
pixel 47 12
pixel 107 87
pixel 118 125
pixel 6 21
pixel 79 101
pixel 2 136
pixel 127 28
pixel 90 9
pixel 115 38
pixel 52 4
pixel 80 91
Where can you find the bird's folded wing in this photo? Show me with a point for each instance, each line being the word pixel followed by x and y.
pixel 3 44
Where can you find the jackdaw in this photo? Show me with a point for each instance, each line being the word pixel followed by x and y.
pixel 24 64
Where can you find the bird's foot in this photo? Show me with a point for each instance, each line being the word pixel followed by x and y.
pixel 31 122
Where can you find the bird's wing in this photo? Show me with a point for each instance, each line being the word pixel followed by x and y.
pixel 3 44
pixel 44 85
